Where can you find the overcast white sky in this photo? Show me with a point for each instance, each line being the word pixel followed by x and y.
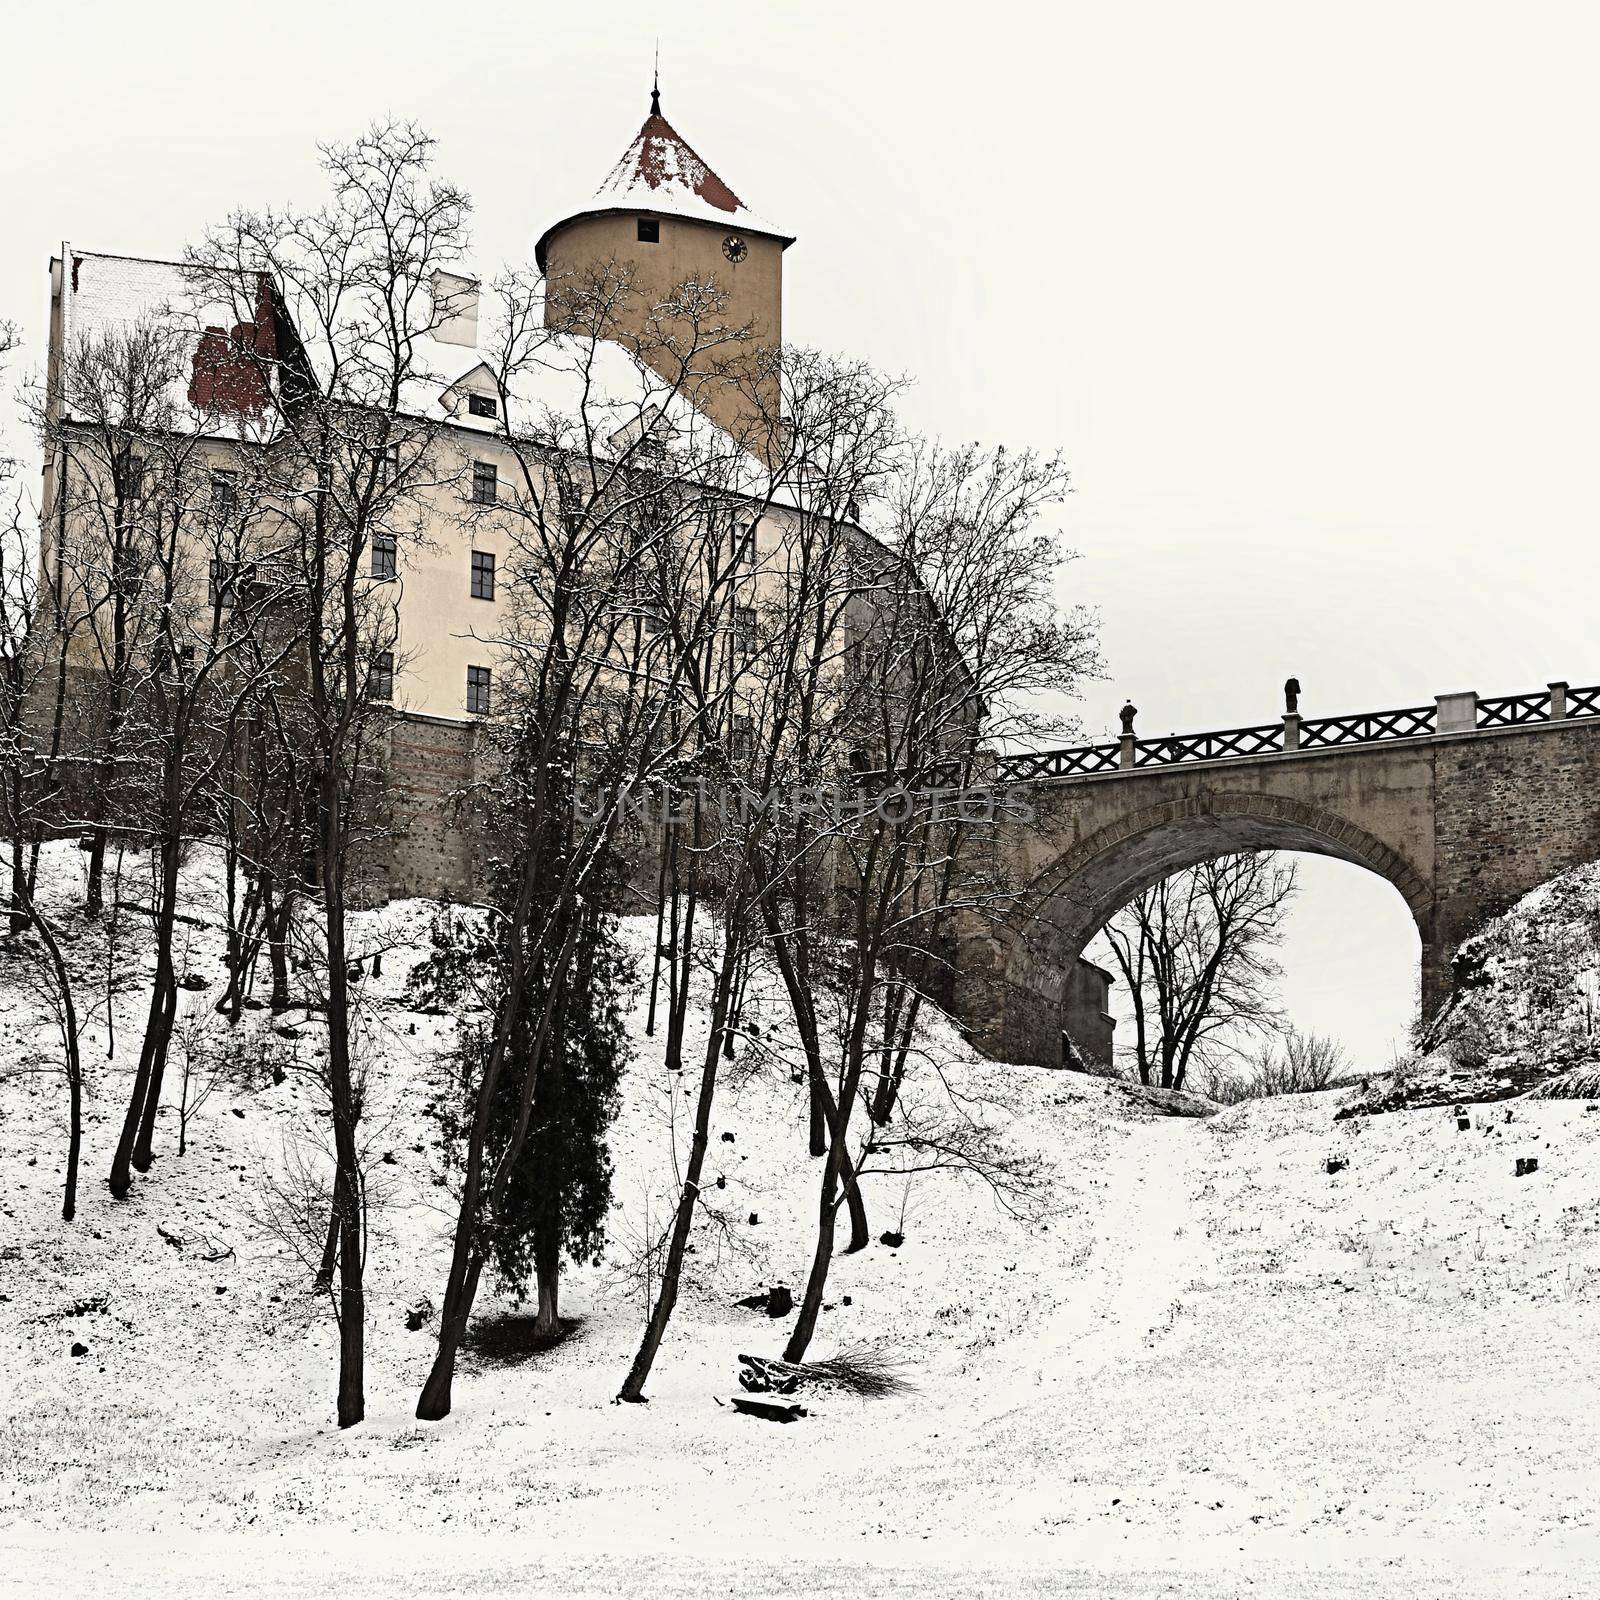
pixel 1309 294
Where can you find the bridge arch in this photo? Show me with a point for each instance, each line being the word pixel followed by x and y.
pixel 1075 895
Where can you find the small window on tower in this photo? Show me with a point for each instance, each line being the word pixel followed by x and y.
pixel 649 231
pixel 482 405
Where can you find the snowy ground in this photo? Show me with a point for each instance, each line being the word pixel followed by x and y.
pixel 1211 1368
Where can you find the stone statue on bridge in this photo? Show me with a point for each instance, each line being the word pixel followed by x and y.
pixel 1291 697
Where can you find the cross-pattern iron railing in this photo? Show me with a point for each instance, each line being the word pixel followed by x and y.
pixel 1208 746
pixel 1058 763
pixel 1367 727
pixel 1511 710
pixel 1450 715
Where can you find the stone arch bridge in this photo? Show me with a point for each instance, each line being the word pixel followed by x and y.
pixel 1462 805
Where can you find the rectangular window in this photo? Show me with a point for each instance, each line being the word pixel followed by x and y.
pixel 742 741
pixel 482 405
pixel 380 677
pixel 385 556
pixel 485 483
pixel 482 575
pixel 224 495
pixel 744 630
pixel 126 570
pixel 389 466
pixel 477 691
pixel 649 231
pixel 219 590
pixel 744 551
pixel 179 666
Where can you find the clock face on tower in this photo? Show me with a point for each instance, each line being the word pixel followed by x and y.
pixel 735 249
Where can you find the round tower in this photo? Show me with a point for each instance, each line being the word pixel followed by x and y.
pixel 664 214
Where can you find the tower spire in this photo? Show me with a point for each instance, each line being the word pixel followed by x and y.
pixel 655 84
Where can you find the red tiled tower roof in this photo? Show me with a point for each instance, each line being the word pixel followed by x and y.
pixel 661 174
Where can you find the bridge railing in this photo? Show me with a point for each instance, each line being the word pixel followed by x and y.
pixel 1449 714
pixel 1059 763
pixel 1368 726
pixel 1208 746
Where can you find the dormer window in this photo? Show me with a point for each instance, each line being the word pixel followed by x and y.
pixel 482 405
pixel 649 231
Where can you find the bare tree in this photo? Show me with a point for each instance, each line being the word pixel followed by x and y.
pixel 1196 954
pixel 203 1068
pixel 114 399
pixel 608 617
pixel 749 844
pixel 1299 1063
pixel 959 640
pixel 24 789
pixel 342 301
pixel 200 599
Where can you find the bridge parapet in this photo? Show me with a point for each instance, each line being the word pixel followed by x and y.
pixel 1449 714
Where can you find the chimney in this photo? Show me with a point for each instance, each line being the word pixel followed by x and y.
pixel 455 308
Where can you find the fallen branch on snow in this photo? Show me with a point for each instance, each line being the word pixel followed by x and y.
pixel 861 1369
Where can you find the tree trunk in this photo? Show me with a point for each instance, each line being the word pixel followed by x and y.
pixel 69 1202
pixel 818 1093
pixel 860 1238
pixel 133 1145
pixel 884 1092
pixel 158 1042
pixel 352 1400
pixel 74 1061
pixel 18 919
pixel 94 897
pixel 547 1267
pixel 689 1197
pixel 323 1281
pixel 832 1175
pixel 277 914
pixel 347 1173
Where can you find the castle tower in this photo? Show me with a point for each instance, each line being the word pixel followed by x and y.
pixel 668 216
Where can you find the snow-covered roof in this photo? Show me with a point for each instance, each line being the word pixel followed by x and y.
pixel 661 174
pixel 107 295
pixel 561 385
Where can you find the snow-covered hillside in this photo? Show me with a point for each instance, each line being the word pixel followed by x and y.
pixel 1525 1014
pixel 1206 1354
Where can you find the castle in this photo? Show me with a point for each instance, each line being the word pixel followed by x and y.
pixel 663 213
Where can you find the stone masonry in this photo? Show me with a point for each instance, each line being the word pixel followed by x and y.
pixel 1461 823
